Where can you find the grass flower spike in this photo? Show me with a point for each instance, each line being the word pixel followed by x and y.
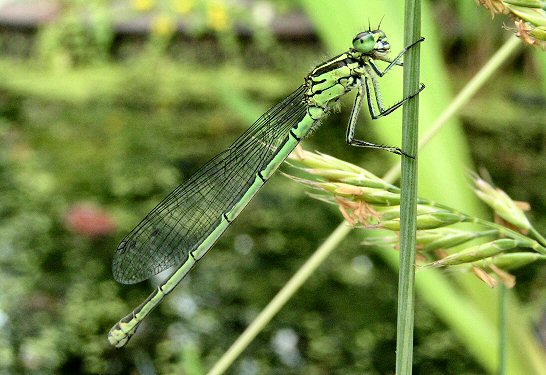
pixel 366 201
pixel 529 18
pixel 501 203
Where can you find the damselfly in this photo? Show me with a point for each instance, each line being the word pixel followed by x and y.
pixel 187 223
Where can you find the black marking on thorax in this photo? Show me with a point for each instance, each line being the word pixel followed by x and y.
pixel 264 180
pixel 334 64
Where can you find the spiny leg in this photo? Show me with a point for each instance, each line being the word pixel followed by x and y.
pixel 378 98
pixel 353 118
pixel 386 59
pixel 395 61
pixel 382 110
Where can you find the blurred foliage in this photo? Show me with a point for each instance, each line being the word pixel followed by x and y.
pixel 92 117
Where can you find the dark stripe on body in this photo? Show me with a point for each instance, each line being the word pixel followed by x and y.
pixel 294 135
pixel 332 65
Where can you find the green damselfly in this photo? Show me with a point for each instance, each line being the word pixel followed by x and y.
pixel 187 223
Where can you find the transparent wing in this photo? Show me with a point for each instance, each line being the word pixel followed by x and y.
pixel 187 216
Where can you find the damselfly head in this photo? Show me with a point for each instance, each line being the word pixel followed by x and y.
pixel 371 42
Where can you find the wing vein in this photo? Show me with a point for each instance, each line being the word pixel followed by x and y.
pixel 187 216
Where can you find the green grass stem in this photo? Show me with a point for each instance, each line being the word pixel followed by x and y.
pixel 502 330
pixel 408 196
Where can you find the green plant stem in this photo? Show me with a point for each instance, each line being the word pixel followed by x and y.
pixel 486 72
pixel 408 194
pixel 502 330
pixel 273 307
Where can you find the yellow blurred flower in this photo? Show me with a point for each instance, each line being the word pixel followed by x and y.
pixel 183 6
pixel 163 25
pixel 143 5
pixel 217 15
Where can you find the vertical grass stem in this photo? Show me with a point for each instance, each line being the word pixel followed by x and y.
pixel 408 209
pixel 502 329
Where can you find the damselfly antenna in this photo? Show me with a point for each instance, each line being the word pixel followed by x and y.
pixel 381 20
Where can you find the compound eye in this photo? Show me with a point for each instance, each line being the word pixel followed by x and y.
pixel 364 42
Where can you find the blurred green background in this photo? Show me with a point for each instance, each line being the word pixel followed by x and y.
pixel 106 106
